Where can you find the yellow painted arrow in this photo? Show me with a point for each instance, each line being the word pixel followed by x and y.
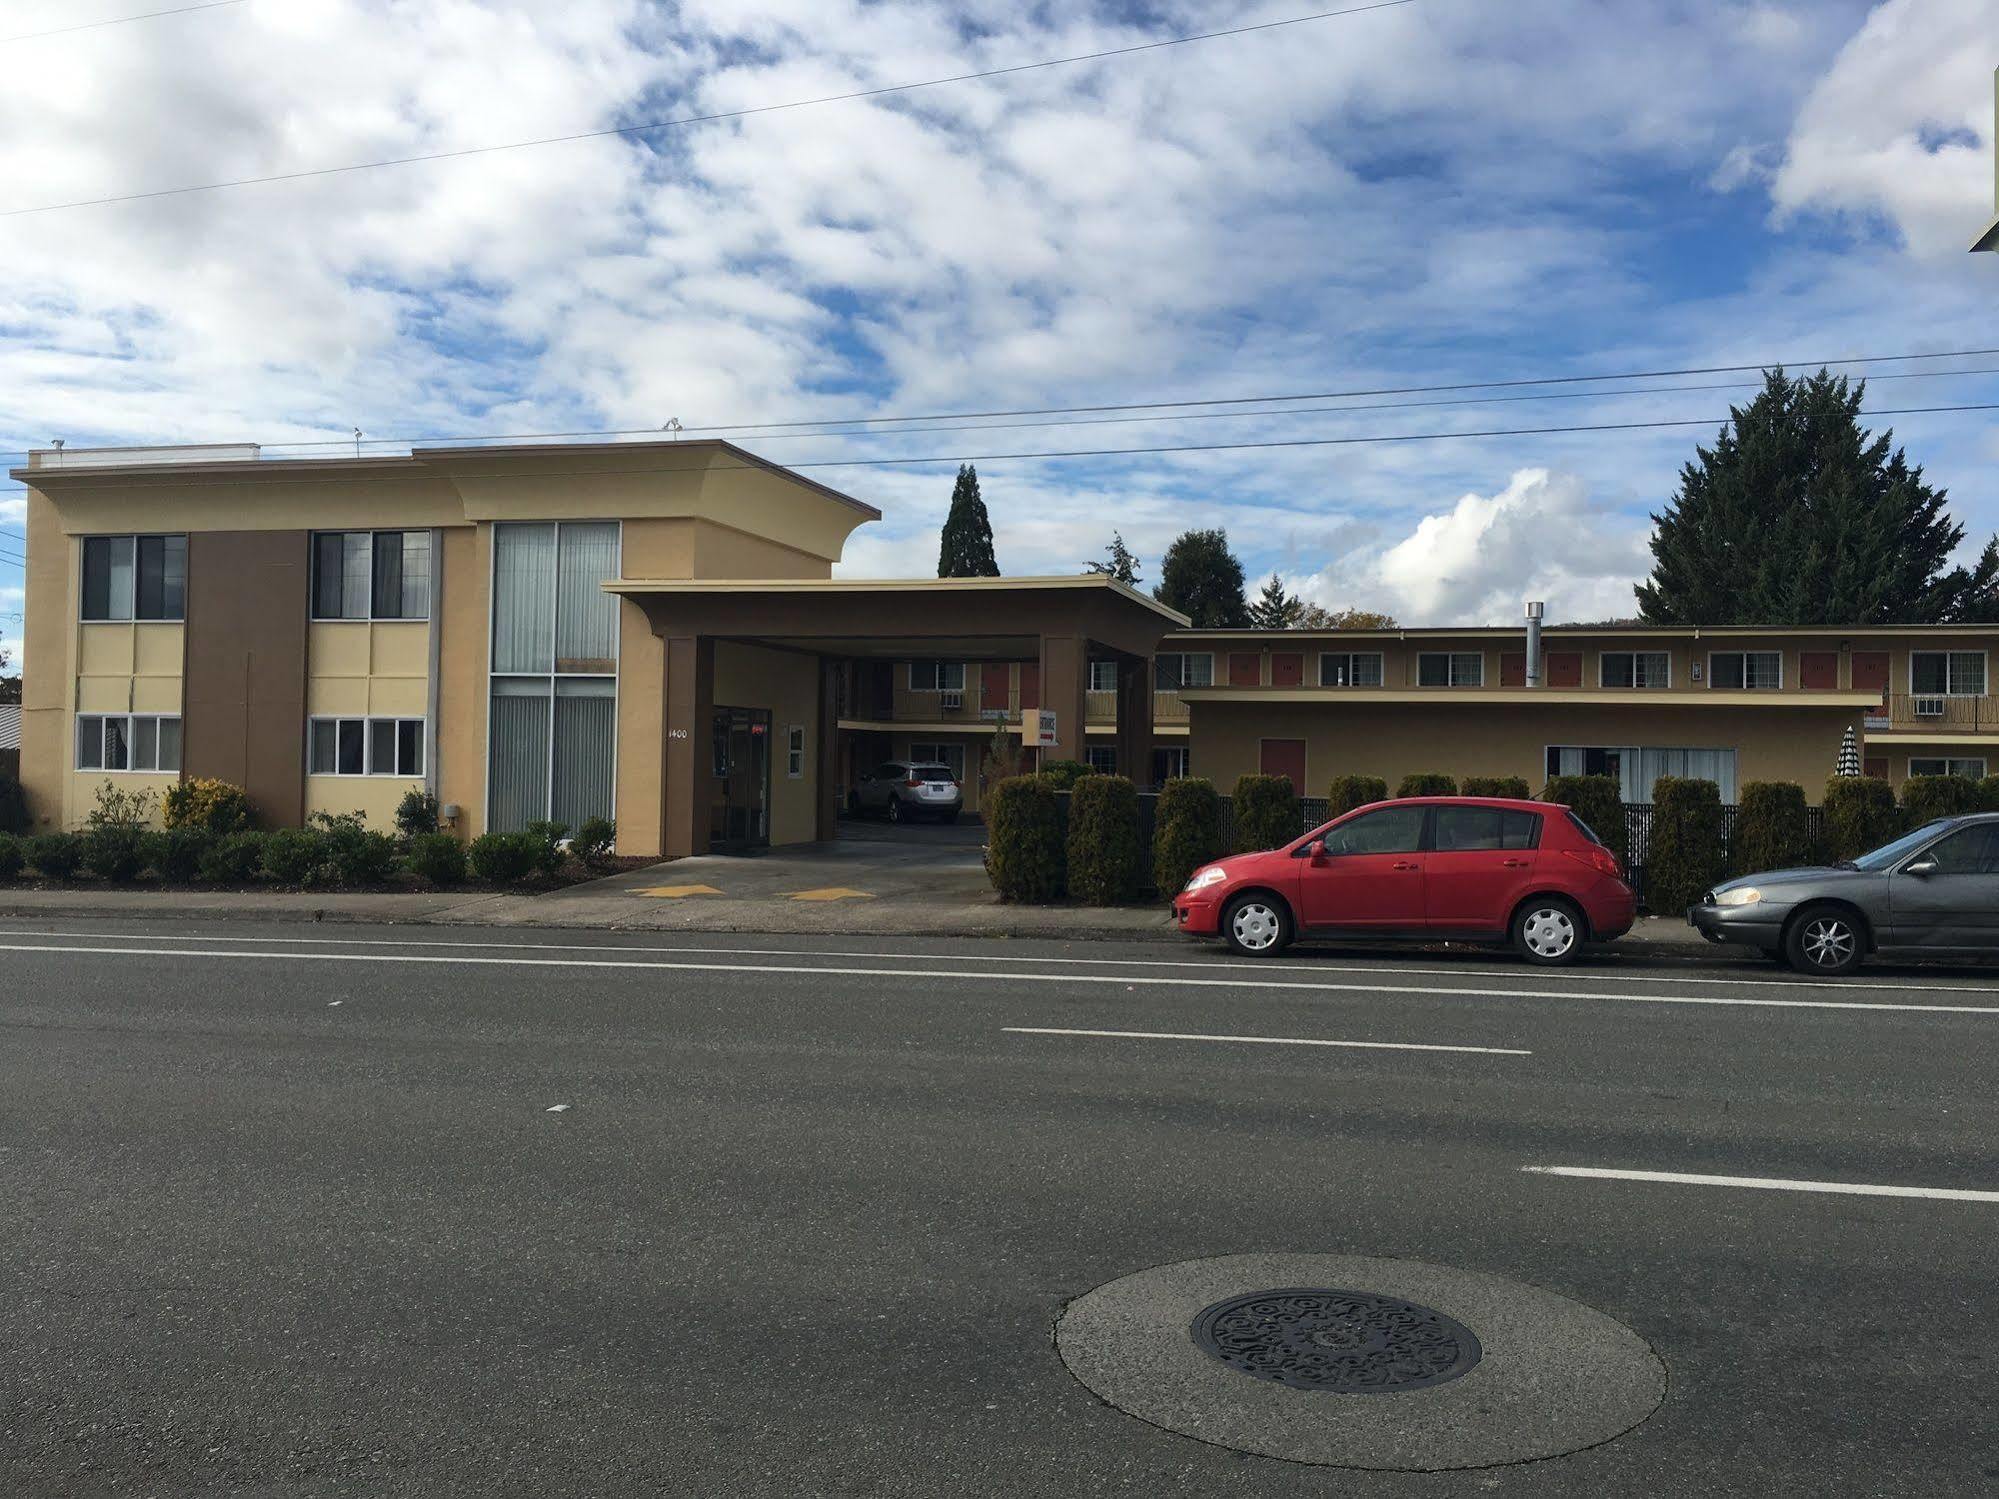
pixel 833 892
pixel 676 892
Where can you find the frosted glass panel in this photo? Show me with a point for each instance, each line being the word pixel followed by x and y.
pixel 519 759
pixel 585 751
pixel 586 623
pixel 523 598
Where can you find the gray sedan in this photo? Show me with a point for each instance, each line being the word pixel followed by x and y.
pixel 1930 893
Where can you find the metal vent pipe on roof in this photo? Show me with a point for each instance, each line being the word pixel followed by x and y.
pixel 1534 612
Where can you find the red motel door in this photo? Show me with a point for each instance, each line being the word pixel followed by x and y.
pixel 1870 672
pixel 1285 757
pixel 1818 671
pixel 1513 668
pixel 1565 668
pixel 1287 669
pixel 995 684
pixel 1030 686
pixel 1245 669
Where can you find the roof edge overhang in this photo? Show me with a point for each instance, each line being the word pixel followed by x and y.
pixel 1988 238
pixel 1446 697
pixel 983 588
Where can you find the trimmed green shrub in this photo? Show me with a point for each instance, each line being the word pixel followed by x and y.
pixel 55 855
pixel 1266 813
pixel 1988 794
pixel 1106 864
pixel 1598 801
pixel 292 856
pixel 416 813
pixel 12 856
pixel 594 840
pixel 1024 848
pixel 502 858
pixel 1064 774
pixel 549 854
pixel 1513 786
pixel 1186 832
pixel 13 806
pixel 1860 814
pixel 1348 792
pixel 356 856
pixel 213 805
pixel 114 851
pixel 1426 783
pixel 175 853
pixel 232 859
pixel 1925 798
pixel 1686 855
pixel 438 857
pixel 1771 831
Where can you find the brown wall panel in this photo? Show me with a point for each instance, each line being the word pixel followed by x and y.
pixel 246 659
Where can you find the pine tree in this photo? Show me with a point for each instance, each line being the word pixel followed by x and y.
pixel 1202 579
pixel 1799 516
pixel 1122 565
pixel 1274 609
pixel 966 548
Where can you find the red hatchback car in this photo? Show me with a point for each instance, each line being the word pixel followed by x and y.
pixel 1427 869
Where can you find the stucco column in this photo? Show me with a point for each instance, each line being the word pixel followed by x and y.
pixel 688 787
pixel 1134 719
pixel 1065 678
pixel 827 782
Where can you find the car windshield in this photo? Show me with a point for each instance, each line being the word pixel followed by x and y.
pixel 1908 843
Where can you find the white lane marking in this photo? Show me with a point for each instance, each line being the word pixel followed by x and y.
pixel 1766 1183
pixel 1777 980
pixel 961 975
pixel 1049 1030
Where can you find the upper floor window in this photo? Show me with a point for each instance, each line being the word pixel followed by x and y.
pixel 1350 668
pixel 371 575
pixel 1947 673
pixel 1450 669
pixel 1747 669
pixel 1173 670
pixel 936 676
pixel 1635 669
pixel 1103 676
pixel 134 577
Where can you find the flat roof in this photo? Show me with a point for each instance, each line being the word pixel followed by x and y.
pixel 1513 633
pixel 836 587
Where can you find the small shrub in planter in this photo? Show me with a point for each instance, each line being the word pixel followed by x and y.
pixel 55 856
pixel 1266 813
pixel 1064 774
pixel 438 858
pixel 12 856
pixel 1598 801
pixel 1860 814
pixel 1513 786
pixel 174 854
pixel 13 806
pixel 502 858
pixel 1427 783
pixel 293 856
pixel 114 851
pixel 549 854
pixel 1926 798
pixel 594 840
pixel 1349 792
pixel 1770 828
pixel 416 813
pixel 1685 856
pixel 215 806
pixel 232 859
pixel 1186 832
pixel 1024 848
pixel 1106 865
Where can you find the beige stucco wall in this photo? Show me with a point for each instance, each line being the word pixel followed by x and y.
pixel 460 747
pixel 787 684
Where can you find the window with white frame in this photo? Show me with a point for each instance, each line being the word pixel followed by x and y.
pixel 1947 673
pixel 1950 765
pixel 1635 669
pixel 134 577
pixel 1638 766
pixel 1102 758
pixel 950 756
pixel 1350 668
pixel 936 676
pixel 364 746
pixel 1103 676
pixel 1173 670
pixel 146 742
pixel 1169 762
pixel 1450 669
pixel 371 575
pixel 794 752
pixel 1746 670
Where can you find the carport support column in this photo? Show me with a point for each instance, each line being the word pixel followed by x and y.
pixel 1134 719
pixel 690 725
pixel 1065 678
pixel 827 779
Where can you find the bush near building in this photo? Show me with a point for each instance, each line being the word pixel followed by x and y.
pixel 1024 848
pixel 1348 792
pixel 174 853
pixel 1685 856
pixel 549 854
pixel 438 858
pixel 292 855
pixel 1771 828
pixel 55 856
pixel 1860 814
pixel 1513 786
pixel 114 851
pixel 503 858
pixel 13 806
pixel 1186 832
pixel 1266 813
pixel 1988 794
pixel 232 859
pixel 1599 802
pixel 1426 783
pixel 594 840
pixel 1064 774
pixel 1106 865
pixel 12 856
pixel 215 806
pixel 1925 798
pixel 416 813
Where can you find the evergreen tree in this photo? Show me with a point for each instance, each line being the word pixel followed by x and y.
pixel 966 549
pixel 1319 617
pixel 1274 609
pixel 1799 516
pixel 10 687
pixel 1121 565
pixel 1200 577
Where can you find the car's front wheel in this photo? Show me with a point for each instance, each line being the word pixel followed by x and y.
pixel 1826 941
pixel 1256 925
pixel 1548 931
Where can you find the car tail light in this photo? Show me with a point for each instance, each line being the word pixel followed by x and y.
pixel 913 782
pixel 1602 860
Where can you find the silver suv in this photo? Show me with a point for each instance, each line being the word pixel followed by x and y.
pixel 904 790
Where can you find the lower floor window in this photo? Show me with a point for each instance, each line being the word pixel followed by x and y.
pixel 1169 763
pixel 950 756
pixel 365 747
pixel 552 750
pixel 1947 766
pixel 1638 766
pixel 128 741
pixel 1102 758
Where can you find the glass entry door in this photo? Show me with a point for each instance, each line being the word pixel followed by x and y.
pixel 739 815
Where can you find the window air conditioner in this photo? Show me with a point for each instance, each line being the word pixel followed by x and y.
pixel 1929 707
pixel 953 700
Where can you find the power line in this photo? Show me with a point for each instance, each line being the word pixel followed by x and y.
pixel 706 119
pixel 151 15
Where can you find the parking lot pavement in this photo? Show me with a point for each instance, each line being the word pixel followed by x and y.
pixel 301 1212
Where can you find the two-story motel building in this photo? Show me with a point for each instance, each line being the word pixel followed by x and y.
pixel 653 632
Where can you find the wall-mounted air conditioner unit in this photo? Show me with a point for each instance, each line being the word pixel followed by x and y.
pixel 952 701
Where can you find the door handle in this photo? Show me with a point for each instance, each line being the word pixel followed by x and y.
pixel 1513 863
pixel 1405 865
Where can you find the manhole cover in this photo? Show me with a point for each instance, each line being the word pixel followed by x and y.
pixel 1344 1342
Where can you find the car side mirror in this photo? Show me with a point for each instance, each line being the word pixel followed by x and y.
pixel 1316 850
pixel 1921 868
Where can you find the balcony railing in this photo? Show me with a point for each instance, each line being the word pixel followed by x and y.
pixel 1946 714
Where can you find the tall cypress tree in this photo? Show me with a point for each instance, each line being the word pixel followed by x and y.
pixel 1799 516
pixel 1201 578
pixel 966 548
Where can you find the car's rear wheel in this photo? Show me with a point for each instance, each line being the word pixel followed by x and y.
pixel 1824 940
pixel 1548 931
pixel 1256 926
pixel 895 809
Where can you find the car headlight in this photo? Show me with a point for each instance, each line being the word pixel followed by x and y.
pixel 1745 895
pixel 1206 877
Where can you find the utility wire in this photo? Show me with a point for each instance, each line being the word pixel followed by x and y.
pixel 151 15
pixel 705 119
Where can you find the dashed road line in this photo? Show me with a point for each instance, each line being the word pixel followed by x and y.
pixel 1049 1030
pixel 1765 1183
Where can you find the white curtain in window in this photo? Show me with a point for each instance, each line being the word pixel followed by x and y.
pixel 523 598
pixel 1642 767
pixel 519 752
pixel 121 578
pixel 586 622
pixel 585 749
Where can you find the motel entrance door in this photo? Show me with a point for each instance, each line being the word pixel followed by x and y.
pixel 740 812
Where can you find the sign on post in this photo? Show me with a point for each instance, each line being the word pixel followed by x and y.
pixel 1045 737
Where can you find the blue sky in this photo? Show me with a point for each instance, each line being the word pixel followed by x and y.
pixel 1445 191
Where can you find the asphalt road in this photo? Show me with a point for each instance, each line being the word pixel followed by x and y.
pixel 285 1211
